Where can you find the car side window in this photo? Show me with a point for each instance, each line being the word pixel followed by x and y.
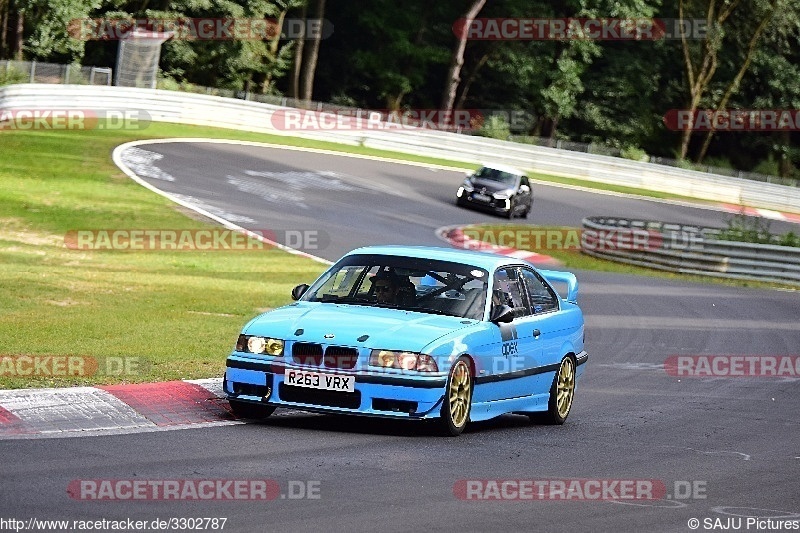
pixel 525 181
pixel 507 281
pixel 540 296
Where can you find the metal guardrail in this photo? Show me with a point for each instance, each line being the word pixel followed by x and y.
pixel 205 110
pixel 688 250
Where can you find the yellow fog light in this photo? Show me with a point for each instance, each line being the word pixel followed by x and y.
pixel 386 358
pixel 274 347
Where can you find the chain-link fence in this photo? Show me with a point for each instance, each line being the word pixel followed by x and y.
pixel 36 72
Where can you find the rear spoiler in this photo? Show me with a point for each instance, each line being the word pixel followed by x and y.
pixel 564 277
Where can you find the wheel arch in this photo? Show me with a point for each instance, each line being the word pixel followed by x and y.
pixel 472 367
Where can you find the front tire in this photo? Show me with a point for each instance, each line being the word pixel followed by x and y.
pixel 457 401
pixel 251 410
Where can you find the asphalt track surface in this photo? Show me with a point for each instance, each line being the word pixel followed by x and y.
pixel 735 438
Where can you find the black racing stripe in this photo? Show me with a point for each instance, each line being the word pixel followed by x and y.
pixel 479 380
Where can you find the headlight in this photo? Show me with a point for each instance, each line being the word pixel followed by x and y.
pixel 407 361
pixel 467 185
pixel 503 195
pixel 403 360
pixel 255 344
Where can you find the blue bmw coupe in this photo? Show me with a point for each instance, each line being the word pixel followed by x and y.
pixel 418 333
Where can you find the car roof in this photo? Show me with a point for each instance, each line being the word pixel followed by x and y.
pixel 486 260
pixel 505 168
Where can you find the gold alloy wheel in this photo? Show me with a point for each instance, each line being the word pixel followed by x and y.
pixel 460 394
pixel 565 388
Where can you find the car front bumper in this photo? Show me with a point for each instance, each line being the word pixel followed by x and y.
pixel 493 205
pixel 376 393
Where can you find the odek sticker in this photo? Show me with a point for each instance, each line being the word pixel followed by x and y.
pixel 508 334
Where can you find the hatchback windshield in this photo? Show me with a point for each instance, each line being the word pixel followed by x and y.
pixel 408 283
pixel 506 178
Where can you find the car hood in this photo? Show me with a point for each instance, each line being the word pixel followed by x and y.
pixel 391 329
pixel 491 185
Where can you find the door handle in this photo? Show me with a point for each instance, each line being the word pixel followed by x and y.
pixel 536 333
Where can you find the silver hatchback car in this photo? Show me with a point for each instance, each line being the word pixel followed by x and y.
pixel 498 189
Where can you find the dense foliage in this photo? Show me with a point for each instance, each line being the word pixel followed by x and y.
pixel 398 55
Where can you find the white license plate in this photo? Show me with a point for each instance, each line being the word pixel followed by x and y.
pixel 315 380
pixel 481 197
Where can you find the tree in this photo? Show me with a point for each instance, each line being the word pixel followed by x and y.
pixel 48 20
pixel 401 48
pixel 701 61
pixel 20 35
pixel 310 57
pixel 297 60
pixel 248 64
pixel 624 85
pixel 774 83
pixel 5 7
pixel 457 61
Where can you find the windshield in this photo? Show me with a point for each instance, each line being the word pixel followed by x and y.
pixel 506 178
pixel 408 283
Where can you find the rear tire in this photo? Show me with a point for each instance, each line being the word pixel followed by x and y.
pixel 251 410
pixel 562 392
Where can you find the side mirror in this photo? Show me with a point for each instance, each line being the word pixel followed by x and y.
pixel 501 313
pixel 299 291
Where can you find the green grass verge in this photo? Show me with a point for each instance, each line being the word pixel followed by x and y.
pixel 174 314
